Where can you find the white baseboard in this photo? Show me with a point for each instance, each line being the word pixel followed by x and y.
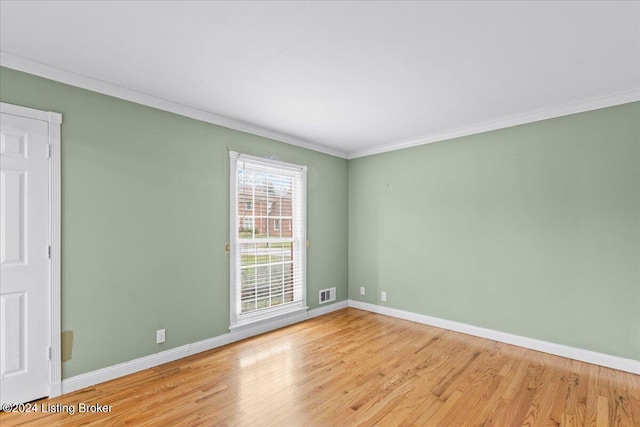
pixel 116 371
pixel 609 361
pixel 112 372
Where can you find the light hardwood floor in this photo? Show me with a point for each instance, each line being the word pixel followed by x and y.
pixel 352 368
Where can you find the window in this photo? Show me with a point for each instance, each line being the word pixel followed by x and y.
pixel 248 206
pixel 268 262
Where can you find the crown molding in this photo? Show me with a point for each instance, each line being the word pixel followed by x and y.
pixel 40 69
pixel 18 63
pixel 520 119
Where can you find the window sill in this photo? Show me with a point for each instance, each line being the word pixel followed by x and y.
pixel 283 317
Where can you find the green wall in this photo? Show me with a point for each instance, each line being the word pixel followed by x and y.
pixel 145 219
pixel 532 230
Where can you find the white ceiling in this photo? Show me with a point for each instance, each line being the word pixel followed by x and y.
pixel 348 78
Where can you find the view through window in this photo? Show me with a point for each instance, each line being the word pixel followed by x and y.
pixel 268 262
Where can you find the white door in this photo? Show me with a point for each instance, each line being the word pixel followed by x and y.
pixel 24 259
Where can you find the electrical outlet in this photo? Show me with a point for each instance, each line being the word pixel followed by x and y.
pixel 383 296
pixel 361 290
pixel 160 336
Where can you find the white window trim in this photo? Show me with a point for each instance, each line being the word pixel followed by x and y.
pixel 276 313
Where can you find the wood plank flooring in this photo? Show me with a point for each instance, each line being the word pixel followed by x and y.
pixel 355 368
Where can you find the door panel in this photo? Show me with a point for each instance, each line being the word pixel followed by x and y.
pixel 12 183
pixel 24 259
pixel 13 322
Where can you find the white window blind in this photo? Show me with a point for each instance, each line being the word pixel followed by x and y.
pixel 268 242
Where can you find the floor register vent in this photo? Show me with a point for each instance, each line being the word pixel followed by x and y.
pixel 327 295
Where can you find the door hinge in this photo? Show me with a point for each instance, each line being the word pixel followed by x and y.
pixel 49 151
pixel 49 251
pixel 49 353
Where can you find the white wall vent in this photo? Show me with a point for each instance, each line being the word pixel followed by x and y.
pixel 327 295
